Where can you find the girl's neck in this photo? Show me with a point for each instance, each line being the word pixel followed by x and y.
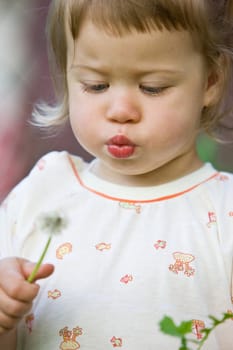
pixel 168 172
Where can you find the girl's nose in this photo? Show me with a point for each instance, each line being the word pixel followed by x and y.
pixel 123 109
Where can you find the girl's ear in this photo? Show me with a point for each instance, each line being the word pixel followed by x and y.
pixel 215 83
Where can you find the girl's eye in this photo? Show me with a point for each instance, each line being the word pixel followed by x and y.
pixel 151 90
pixel 95 88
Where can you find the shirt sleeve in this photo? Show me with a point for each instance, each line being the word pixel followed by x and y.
pixel 225 223
pixel 229 232
pixel 9 211
pixel 41 190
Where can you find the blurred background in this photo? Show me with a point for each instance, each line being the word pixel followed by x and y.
pixel 25 80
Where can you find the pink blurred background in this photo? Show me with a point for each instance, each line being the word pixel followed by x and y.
pixel 24 80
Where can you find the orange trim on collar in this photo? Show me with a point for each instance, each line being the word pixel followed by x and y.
pixel 136 201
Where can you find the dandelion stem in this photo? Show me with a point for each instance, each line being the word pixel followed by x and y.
pixel 38 264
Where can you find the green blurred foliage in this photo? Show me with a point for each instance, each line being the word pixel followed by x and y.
pixel 207 149
pixel 219 154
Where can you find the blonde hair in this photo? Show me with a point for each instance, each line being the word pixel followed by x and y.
pixel 208 21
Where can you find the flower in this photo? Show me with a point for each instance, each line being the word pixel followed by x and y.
pixel 51 223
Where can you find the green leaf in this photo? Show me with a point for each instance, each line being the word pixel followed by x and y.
pixel 215 320
pixel 227 316
pixel 185 327
pixel 168 326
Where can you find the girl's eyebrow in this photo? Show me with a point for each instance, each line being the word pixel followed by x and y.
pixel 90 68
pixel 139 72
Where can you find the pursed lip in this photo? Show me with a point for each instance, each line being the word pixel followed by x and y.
pixel 119 146
pixel 120 140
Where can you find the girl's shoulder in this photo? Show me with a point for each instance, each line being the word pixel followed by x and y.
pixel 46 188
pixel 222 184
pixel 55 168
pixel 51 177
pixel 58 161
pixel 219 192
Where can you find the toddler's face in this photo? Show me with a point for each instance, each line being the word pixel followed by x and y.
pixel 135 102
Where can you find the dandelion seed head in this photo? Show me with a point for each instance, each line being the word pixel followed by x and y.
pixel 51 223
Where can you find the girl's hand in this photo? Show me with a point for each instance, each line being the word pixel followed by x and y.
pixel 16 294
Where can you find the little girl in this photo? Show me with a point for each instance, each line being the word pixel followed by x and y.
pixel 148 226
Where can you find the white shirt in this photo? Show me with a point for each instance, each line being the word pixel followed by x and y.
pixel 127 257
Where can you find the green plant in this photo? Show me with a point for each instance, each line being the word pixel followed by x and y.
pixel 184 329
